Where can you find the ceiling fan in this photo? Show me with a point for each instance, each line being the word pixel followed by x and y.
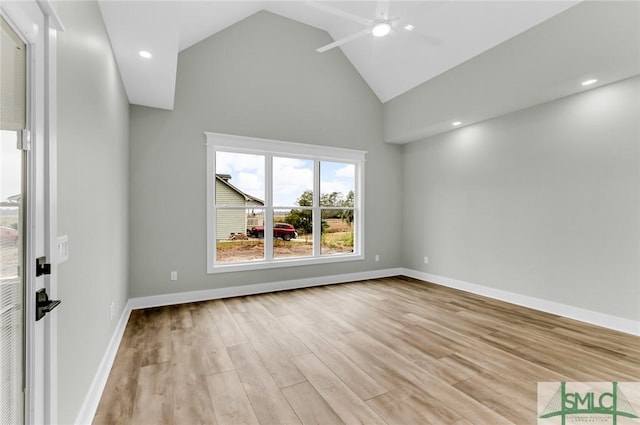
pixel 380 26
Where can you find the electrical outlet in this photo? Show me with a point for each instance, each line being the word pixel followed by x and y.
pixel 112 310
pixel 174 275
pixel 426 260
pixel 377 258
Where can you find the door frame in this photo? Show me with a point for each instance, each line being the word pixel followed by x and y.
pixel 38 24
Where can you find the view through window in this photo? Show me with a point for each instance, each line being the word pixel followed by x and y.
pixel 274 204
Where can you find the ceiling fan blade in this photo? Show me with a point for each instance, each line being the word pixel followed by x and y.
pixel 339 12
pixel 382 9
pixel 343 40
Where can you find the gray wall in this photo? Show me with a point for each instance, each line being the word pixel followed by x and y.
pixel 543 202
pixel 93 128
pixel 260 77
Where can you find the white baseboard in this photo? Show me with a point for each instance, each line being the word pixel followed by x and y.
pixel 259 288
pixel 90 405
pixel 593 317
pixel 91 401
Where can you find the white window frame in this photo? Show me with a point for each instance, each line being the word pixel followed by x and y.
pixel 218 142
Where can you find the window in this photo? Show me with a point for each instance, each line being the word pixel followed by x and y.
pixel 279 204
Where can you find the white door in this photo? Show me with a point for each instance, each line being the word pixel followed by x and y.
pixel 12 221
pixel 27 197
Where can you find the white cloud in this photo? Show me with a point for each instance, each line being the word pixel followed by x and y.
pixel 347 171
pixel 339 180
pixel 230 163
pixel 253 184
pixel 247 171
pixel 291 177
pixel 279 162
pixel 337 177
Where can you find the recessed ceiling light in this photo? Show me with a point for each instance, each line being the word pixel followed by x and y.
pixel 456 123
pixel 144 54
pixel 589 82
pixel 381 28
pixel 409 27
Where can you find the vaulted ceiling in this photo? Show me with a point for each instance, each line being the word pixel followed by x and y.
pixel 445 34
pixel 474 59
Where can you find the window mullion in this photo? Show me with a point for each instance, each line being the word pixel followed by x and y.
pixel 317 214
pixel 211 208
pixel 268 213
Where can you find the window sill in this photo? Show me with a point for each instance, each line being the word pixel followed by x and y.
pixel 283 263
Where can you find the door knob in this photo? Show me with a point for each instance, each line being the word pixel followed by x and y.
pixel 43 304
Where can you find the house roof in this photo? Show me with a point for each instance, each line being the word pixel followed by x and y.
pixel 224 179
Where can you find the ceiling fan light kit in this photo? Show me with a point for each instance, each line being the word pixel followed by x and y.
pixel 381 28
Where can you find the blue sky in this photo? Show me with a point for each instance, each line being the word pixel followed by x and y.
pixel 291 176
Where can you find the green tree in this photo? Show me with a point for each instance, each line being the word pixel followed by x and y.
pixel 348 202
pixel 302 219
pixel 306 199
pixel 333 199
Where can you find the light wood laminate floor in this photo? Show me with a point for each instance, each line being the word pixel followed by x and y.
pixel 394 351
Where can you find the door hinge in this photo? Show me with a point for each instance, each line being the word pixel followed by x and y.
pixel 24 141
pixel 42 267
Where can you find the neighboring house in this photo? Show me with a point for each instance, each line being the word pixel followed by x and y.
pixel 234 221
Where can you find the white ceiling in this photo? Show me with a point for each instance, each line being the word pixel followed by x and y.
pixel 391 65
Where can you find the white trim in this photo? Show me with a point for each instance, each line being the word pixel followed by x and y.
pixel 583 315
pixel 277 147
pixel 316 217
pixel 48 10
pixel 52 24
pixel 91 401
pixel 211 200
pixel 258 288
pixel 284 262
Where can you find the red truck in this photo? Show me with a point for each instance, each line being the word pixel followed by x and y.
pixel 283 231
